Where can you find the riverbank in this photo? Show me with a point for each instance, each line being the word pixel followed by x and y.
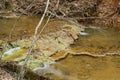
pixel 98 12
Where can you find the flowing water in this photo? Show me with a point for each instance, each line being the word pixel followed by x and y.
pixel 91 67
pixel 98 41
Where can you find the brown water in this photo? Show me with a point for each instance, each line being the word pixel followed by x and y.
pixel 82 67
pixel 24 26
pixel 99 41
pixel 87 67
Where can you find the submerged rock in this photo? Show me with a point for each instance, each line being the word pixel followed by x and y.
pixel 55 39
pixel 52 42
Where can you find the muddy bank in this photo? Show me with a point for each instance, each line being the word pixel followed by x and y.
pixel 97 12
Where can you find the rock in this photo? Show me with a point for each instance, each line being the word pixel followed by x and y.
pixel 47 45
pixel 52 42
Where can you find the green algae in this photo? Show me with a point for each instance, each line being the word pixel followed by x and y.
pixel 14 55
pixel 20 55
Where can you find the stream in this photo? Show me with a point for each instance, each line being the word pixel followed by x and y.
pixel 103 63
pixel 95 55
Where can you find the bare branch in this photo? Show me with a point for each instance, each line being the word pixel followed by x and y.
pixel 33 43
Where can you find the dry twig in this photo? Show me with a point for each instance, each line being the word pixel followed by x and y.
pixel 22 72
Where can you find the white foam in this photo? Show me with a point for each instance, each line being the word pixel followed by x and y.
pixel 83 33
pixel 11 51
pixel 46 66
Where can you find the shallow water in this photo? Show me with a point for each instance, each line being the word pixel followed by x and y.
pixel 99 41
pixel 87 67
pixel 24 27
pixel 83 67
